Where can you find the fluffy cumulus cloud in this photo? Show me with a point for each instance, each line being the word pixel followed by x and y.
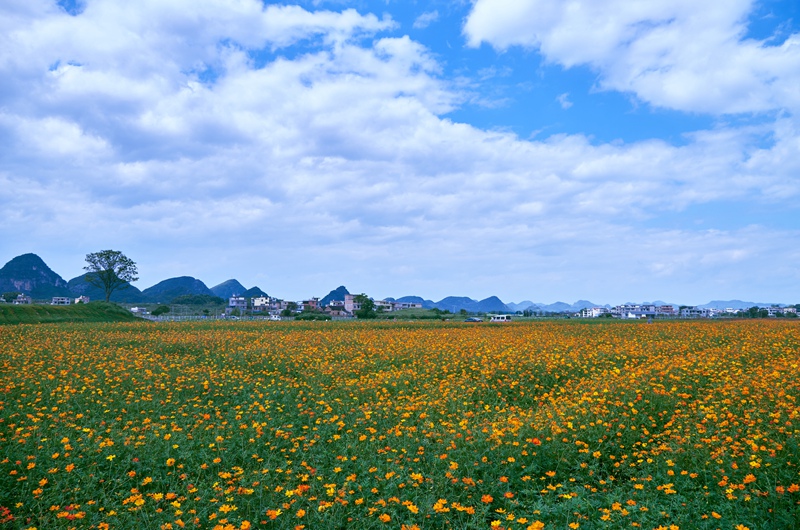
pixel 300 149
pixel 678 54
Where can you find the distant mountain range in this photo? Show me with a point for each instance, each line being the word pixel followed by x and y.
pixel 30 275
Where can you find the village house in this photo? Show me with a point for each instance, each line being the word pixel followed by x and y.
pixel 23 299
pixel 594 312
pixel 337 311
pixel 260 304
pixel 397 306
pixel 61 300
pixel 236 303
pixel 350 304
pixel 775 311
pixel 635 311
pixel 309 305
pixel 698 312
pixel 382 305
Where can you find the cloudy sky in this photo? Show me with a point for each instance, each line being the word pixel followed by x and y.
pixel 531 149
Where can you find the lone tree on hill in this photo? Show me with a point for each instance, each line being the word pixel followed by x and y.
pixel 110 270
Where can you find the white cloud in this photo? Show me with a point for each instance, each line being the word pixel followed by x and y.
pixel 563 100
pixel 677 54
pixel 426 19
pixel 340 158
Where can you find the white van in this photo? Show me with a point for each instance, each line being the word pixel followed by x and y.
pixel 501 318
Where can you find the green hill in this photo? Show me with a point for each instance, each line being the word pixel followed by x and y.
pixel 167 290
pixel 40 314
pixel 254 292
pixel 29 274
pixel 228 288
pixel 336 294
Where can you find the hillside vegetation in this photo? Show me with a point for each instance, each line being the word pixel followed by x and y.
pixel 40 314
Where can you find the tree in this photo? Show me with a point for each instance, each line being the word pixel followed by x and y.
pixel 367 309
pixel 110 270
pixel 160 310
pixel 11 296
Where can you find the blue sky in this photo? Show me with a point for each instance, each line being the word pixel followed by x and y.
pixel 529 149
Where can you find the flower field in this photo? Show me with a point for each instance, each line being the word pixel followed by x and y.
pixel 690 425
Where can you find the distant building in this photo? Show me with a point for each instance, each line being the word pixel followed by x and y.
pixel 397 306
pixel 336 311
pixel 61 300
pixel 383 305
pixel 309 305
pixel 261 303
pixel 23 299
pixel 350 304
pixel 594 312
pixel 82 300
pixel 236 303
pixel 635 311
pixel 698 312
pixel 775 311
pixel 666 310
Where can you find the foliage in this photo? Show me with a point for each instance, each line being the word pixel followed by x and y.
pixel 379 425
pixel 11 296
pixel 412 314
pixel 757 312
pixel 160 310
pixel 367 310
pixel 197 299
pixel 312 315
pixel 110 270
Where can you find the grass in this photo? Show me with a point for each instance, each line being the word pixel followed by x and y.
pixel 414 314
pixel 392 425
pixel 40 314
